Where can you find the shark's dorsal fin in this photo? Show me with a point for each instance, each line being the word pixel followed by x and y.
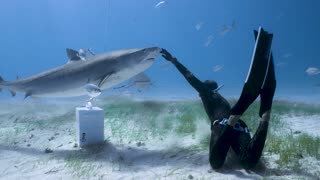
pixel 27 95
pixel 73 55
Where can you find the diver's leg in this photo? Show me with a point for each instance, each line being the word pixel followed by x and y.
pixel 251 155
pixel 240 145
pixel 249 150
pixel 220 141
pixel 247 97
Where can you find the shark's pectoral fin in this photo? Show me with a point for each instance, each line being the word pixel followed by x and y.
pixel 1 81
pixel 104 78
pixel 27 95
pixel 12 93
pixel 141 81
pixel 73 55
pixel 141 77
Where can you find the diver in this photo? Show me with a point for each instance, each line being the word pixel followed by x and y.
pixel 227 129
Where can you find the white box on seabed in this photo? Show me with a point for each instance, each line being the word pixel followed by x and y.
pixel 89 126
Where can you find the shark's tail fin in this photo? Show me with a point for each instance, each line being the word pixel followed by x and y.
pixel 1 81
pixel 3 84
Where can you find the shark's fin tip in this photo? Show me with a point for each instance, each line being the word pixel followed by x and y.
pixel 13 94
pixel 27 95
pixel 1 80
pixel 72 54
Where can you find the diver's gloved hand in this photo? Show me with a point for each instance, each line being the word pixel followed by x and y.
pixel 167 55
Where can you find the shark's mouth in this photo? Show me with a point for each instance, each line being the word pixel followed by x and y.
pixel 150 59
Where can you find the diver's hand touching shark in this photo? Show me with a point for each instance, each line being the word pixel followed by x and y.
pixel 166 55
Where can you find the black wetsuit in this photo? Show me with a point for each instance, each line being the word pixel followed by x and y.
pixel 217 107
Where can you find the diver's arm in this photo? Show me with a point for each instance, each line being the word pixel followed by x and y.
pixel 193 81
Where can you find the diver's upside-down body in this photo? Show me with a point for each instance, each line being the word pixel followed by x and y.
pixel 260 81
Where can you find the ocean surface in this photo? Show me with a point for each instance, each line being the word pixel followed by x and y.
pixel 214 39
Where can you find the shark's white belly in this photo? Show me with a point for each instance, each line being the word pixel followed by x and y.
pixel 79 91
pixel 122 76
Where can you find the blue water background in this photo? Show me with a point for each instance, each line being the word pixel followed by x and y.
pixel 35 33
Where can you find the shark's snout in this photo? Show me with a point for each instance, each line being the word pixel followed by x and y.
pixel 151 53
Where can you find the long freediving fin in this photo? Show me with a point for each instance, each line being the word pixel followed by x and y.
pixel 270 69
pixel 257 72
pixel 260 59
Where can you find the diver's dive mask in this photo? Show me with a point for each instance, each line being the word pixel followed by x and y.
pixel 217 89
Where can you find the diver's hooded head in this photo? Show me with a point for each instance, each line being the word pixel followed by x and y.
pixel 211 84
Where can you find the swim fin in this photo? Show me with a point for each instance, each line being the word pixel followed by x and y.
pixel 268 87
pixel 260 60
pixel 258 72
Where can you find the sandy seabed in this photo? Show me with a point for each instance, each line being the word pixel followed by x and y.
pixel 37 141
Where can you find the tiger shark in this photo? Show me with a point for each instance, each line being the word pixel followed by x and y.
pixel 69 80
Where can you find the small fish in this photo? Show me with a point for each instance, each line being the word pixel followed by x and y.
pixel 199 26
pixel 217 68
pixel 312 71
pixel 281 64
pixel 90 50
pixel 92 90
pixel 287 55
pixel 160 4
pixel 209 41
pixel 227 28
pixel 233 25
